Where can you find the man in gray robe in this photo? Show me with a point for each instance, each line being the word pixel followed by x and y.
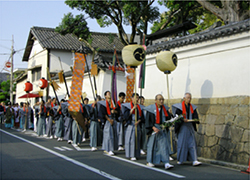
pixel 27 124
pixel 158 144
pixel 120 125
pixel 108 115
pixel 50 129
pixel 22 115
pixel 68 120
pixel 95 127
pixel 185 130
pixel 59 122
pixel 133 131
pixel 41 126
pixel 85 135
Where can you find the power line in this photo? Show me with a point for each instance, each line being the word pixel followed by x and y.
pixel 5 40
pixel 5 47
pixel 22 49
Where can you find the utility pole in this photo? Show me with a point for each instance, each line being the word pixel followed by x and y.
pixel 11 70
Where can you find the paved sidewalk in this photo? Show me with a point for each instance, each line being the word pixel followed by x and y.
pixel 223 163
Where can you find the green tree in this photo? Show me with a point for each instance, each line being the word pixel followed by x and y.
pixel 137 14
pixel 5 87
pixel 77 26
pixel 74 25
pixel 181 11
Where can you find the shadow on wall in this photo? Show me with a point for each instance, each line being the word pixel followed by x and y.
pixel 188 81
pixel 207 89
pixel 203 105
pixel 206 94
pixel 225 145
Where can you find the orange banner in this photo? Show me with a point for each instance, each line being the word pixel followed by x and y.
pixel 77 82
pixel 130 83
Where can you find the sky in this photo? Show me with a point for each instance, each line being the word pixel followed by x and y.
pixel 17 17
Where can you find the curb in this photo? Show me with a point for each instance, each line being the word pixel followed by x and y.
pixel 223 163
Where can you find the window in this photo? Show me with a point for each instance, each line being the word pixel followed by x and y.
pixel 36 74
pixel 33 76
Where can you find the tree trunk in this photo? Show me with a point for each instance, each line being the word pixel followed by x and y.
pixel 230 8
pixel 229 13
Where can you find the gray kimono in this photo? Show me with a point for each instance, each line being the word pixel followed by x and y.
pixel 158 144
pixel 95 128
pixel 132 143
pixel 186 144
pixel 110 141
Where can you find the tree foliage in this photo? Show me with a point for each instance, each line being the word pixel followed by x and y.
pixel 75 25
pixel 5 87
pixel 181 11
pixel 228 10
pixel 137 14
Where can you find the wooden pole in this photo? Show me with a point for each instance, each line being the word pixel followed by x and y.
pixel 135 97
pixel 51 83
pixel 85 58
pixel 168 92
pixel 170 129
pixel 64 79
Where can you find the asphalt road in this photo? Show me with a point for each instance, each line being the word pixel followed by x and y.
pixel 26 156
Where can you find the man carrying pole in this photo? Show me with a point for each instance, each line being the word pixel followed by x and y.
pixel 108 114
pixel 133 131
pixel 158 146
pixel 185 130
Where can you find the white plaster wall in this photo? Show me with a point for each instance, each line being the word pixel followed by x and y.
pixel 40 59
pixel 66 58
pixel 36 49
pixel 66 62
pixel 216 68
pixel 20 91
pixel 105 83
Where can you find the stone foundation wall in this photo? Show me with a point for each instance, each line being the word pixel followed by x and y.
pixel 224 130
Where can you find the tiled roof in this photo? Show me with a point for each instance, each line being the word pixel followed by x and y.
pixel 171 30
pixel 49 39
pixel 218 32
pixel 105 62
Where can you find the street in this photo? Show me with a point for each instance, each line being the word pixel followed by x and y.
pixel 27 156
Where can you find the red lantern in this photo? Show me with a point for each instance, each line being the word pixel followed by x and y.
pixel 28 87
pixel 43 83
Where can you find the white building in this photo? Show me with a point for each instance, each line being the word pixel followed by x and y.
pixel 47 49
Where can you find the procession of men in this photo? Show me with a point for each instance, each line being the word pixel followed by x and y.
pixel 114 126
